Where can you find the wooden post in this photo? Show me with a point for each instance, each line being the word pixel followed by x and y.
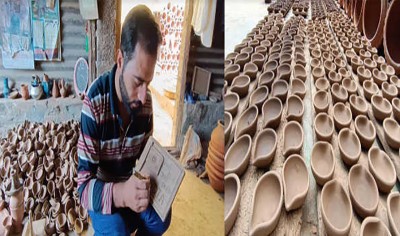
pixel 91 28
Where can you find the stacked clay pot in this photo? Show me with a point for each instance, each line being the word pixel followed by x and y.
pixel 215 158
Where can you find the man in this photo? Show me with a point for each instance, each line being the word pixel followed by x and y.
pixel 116 122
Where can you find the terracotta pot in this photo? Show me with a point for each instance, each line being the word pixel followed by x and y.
pixel 390 38
pixel 382 168
pixel 392 131
pixel 393 202
pixel 339 93
pixel 259 96
pixel 396 108
pixel 322 84
pixel 321 101
pixel 272 112
pixel 341 116
pixel 231 103
pixel 247 122
pixel 295 182
pixel 217 137
pixel 215 177
pixel 267 204
pixel 363 191
pixel 270 66
pixel 322 162
pixel 299 72
pixel 238 155
pixel 365 131
pixel 292 138
pixel 336 209
pixel 349 146
pixel 231 72
pixel 25 91
pixel 280 89
pixel 350 86
pixel 55 90
pixel 373 226
pixel 264 148
pixel 389 91
pixel 374 14
pixel 318 72
pixel 251 69
pixel 266 79
pixel 295 108
pixel 232 200
pixel 381 107
pixel 227 126
pixel 240 85
pixel 370 89
pixel 323 125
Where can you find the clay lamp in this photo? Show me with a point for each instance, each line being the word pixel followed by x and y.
pixel 258 59
pixel 225 86
pixel 259 96
pixel 247 122
pixel 349 146
pixel 292 138
pixel 227 125
pixel 392 130
pixel 355 63
pixel 313 45
pixel 254 43
pixel 339 93
pixel 272 112
pixel 270 66
pixel 300 59
pixel 324 128
pixel 322 162
pixel 365 54
pixel 357 46
pixel 261 49
pixel 393 203
pixel 379 60
pixel 373 226
pixel 251 69
pixel 322 84
pixel 382 168
pixel 340 63
pixel 388 69
pixel 280 89
pixel 295 182
pixel 238 155
pixel 341 116
pixel 266 43
pixel 321 101
pixel 364 199
pixel 231 72
pixel 299 72
pixel 315 63
pixel 240 85
pixel 326 56
pixel 344 73
pixel 267 204
pixel 396 108
pixel 274 57
pixel 284 72
pixel 379 77
pixel 372 50
pixel 264 148
pixel 329 66
pixel 318 72
pixel 232 200
pixel 240 46
pixel 350 86
pixel 295 108
pixel 347 45
pixel 363 74
pixel 337 212
pixel 231 56
pixel 298 88
pixel 248 50
pixel 316 53
pixel 381 107
pixel 266 78
pixel 334 77
pixel 61 222
pixel 285 58
pixel 370 89
pixel 389 91
pixel 227 63
pixel 275 48
pixel 365 131
pixel 370 64
pixel 241 59
pixel 231 103
pixel 396 81
pixel 349 55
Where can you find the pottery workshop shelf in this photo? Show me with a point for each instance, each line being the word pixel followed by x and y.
pixel 327 125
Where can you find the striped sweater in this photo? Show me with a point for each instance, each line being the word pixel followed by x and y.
pixel 106 153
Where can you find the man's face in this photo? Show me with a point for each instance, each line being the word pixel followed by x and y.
pixel 136 75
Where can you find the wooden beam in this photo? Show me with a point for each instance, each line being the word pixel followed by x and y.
pixel 91 34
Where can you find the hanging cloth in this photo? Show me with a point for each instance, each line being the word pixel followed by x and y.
pixel 203 20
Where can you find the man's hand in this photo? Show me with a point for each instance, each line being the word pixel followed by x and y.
pixel 133 193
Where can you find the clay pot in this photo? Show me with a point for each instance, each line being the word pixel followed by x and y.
pixel 358 106
pixel 370 89
pixel 390 38
pixel 55 90
pixel 350 86
pixel 374 13
pixel 217 137
pixel 240 85
pixel 396 108
pixel 341 116
pixel 381 107
pixel 393 202
pixel 231 103
pixel 231 72
pixel 349 146
pixel 322 162
pixel 280 89
pixel 321 101
pixel 272 112
pixel 266 78
pixel 25 91
pixel 336 209
pixel 318 72
pixel 339 93
pixel 365 131
pixel 379 77
pixel 270 66
pixel 251 69
pixel 295 108
pixel 389 91
pixel 392 131
pixel 264 148
pixel 295 182
pixel 382 168
pixel 267 204
pixel 322 84
pixel 363 191
pixel 227 126
pixel 373 226
pixel 259 96
pixel 232 200
pixel 292 138
pixel 299 72
pixel 323 127
pixel 238 155
pixel 247 122
pixel 63 88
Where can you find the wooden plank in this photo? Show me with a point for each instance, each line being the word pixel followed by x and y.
pixel 91 27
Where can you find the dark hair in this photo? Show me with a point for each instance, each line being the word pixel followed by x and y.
pixel 140 26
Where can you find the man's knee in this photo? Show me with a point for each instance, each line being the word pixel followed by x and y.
pixel 152 223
